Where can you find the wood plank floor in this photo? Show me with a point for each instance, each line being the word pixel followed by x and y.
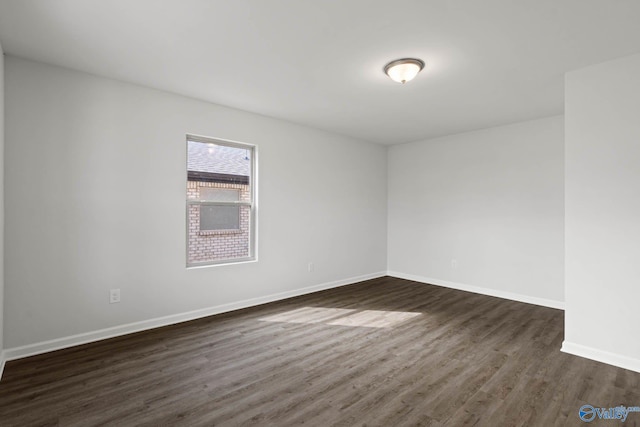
pixel 385 352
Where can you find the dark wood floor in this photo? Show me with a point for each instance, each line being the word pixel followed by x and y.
pixel 385 352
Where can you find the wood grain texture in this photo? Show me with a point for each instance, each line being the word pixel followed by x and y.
pixel 385 352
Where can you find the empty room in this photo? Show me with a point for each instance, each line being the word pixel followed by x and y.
pixel 354 213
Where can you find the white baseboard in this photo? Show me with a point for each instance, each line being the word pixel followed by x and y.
pixel 480 290
pixel 601 356
pixel 87 337
pixel 3 360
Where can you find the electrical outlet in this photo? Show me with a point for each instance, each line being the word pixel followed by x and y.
pixel 114 296
pixel 454 264
pixel 310 267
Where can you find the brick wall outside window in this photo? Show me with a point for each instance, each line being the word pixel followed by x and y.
pixel 217 244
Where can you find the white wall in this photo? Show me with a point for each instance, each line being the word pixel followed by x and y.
pixel 492 200
pixel 603 212
pixel 95 198
pixel 1 208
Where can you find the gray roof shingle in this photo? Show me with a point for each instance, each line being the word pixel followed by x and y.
pixel 218 159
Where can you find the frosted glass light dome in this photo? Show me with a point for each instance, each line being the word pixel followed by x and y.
pixel 403 70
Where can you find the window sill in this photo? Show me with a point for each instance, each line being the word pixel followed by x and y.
pixel 218 232
pixel 220 263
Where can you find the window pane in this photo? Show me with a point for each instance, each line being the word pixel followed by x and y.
pixel 219 217
pixel 219 194
pixel 213 162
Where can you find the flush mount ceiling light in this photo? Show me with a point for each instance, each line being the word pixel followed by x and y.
pixel 403 70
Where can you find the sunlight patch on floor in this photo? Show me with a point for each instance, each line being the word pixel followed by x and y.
pixel 374 318
pixel 342 317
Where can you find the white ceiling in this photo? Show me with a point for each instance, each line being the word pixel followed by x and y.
pixel 319 63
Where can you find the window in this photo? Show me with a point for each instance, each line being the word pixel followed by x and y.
pixel 221 211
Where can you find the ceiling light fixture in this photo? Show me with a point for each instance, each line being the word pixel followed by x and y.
pixel 403 70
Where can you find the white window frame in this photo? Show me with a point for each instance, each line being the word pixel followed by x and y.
pixel 252 203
